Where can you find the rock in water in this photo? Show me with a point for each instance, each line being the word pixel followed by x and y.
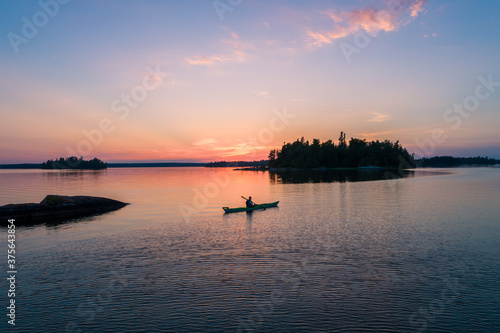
pixel 59 207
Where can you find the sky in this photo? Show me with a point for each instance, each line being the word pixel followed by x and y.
pixel 203 80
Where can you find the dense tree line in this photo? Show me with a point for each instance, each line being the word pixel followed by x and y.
pixel 221 164
pixel 449 161
pixel 75 163
pixel 21 166
pixel 355 153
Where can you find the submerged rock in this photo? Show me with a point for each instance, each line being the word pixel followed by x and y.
pixel 60 207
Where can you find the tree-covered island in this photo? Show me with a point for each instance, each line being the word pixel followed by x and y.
pixel 75 163
pixel 355 153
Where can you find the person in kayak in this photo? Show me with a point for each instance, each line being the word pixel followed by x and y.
pixel 250 203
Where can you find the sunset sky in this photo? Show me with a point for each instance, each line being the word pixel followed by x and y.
pixel 204 80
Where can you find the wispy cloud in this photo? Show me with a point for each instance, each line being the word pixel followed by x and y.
pixel 235 53
pixel 206 60
pixel 416 7
pixel 301 100
pixel 379 117
pixel 371 20
pixel 211 148
pixel 156 78
pixel 262 93
pixel 435 34
pixel 204 142
pixel 375 135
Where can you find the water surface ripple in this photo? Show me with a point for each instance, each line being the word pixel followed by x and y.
pixel 402 255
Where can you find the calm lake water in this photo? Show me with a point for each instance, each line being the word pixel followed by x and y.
pixel 414 254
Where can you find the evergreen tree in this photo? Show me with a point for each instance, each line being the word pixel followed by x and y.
pixel 75 163
pixel 301 154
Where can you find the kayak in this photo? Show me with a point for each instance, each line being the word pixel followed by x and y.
pixel 246 209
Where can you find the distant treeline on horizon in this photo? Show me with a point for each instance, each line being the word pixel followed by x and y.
pixel 449 161
pixel 223 164
pixel 435 162
pixel 55 163
pixel 352 154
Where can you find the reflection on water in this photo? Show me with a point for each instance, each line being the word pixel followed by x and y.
pixel 55 223
pixel 74 174
pixel 249 225
pixel 341 176
pixel 406 255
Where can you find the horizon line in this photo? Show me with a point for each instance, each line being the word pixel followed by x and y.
pixel 203 162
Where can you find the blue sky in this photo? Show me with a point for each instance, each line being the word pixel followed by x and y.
pixel 204 88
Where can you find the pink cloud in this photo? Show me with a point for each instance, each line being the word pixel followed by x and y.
pixel 379 117
pixel 416 8
pixel 318 38
pixel 370 19
pixel 234 53
pixel 206 60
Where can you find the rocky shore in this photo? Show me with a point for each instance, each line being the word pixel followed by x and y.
pixel 59 207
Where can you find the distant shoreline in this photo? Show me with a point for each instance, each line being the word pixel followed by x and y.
pixel 323 169
pixel 20 166
pixel 33 166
